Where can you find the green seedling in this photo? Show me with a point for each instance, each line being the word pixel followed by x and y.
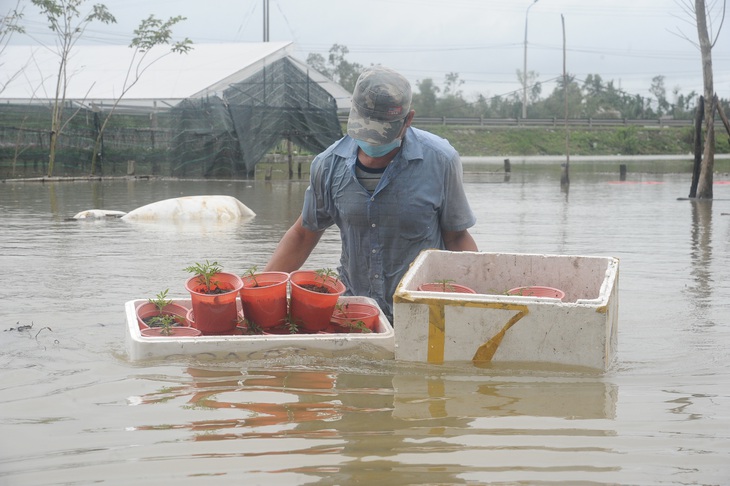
pixel 293 326
pixel 352 325
pixel 251 327
pixel 326 273
pixel 165 321
pixel 358 326
pixel 251 273
pixel 205 272
pixel 161 301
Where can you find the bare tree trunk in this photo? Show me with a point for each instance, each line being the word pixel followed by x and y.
pixel 723 116
pixel 699 116
pixel 704 186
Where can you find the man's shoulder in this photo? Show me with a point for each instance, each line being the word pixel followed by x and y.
pixel 341 148
pixel 432 144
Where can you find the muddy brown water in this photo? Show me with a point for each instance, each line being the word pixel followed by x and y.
pixel 74 410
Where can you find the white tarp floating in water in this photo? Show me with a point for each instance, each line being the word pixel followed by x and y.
pixel 192 208
pixel 99 214
pixel 178 210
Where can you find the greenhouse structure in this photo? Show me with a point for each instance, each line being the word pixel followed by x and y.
pixel 213 112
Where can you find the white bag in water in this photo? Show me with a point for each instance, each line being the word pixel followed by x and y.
pixel 99 214
pixel 192 208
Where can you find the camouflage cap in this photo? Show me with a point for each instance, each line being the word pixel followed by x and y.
pixel 380 103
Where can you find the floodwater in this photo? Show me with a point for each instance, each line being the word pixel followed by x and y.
pixel 74 410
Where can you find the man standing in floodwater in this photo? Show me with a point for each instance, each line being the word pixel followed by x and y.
pixel 391 189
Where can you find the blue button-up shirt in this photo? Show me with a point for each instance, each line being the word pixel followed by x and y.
pixel 419 195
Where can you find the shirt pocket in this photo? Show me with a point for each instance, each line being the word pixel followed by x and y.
pixel 417 218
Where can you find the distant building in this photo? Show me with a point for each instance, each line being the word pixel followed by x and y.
pixel 214 111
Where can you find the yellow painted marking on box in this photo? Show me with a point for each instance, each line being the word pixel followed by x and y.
pixel 437 324
pixel 437 395
pixel 602 309
pixel 486 351
pixel 436 333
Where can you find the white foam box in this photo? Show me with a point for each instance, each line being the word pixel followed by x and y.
pixel 436 327
pixel 378 345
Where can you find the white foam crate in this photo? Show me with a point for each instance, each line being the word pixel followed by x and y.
pixel 436 327
pixel 378 345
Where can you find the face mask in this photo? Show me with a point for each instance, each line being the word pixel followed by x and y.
pixel 376 151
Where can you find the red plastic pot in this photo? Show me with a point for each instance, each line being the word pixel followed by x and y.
pixel 239 319
pixel 215 313
pixel 310 310
pixel 146 310
pixel 263 298
pixel 349 316
pixel 537 291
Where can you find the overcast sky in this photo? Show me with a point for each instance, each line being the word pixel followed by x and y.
pixel 627 41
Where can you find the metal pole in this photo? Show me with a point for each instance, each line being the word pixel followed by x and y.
pixel 524 67
pixel 266 20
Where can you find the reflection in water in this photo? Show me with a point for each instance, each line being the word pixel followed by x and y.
pixel 426 398
pixel 359 426
pixel 701 257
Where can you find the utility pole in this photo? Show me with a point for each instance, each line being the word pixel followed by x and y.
pixel 266 20
pixel 524 67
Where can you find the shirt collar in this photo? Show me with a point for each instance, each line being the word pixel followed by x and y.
pixel 410 150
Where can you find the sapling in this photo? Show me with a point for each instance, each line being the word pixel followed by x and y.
pixel 251 327
pixel 251 273
pixel 326 273
pixel 351 324
pixel 293 327
pixel 162 319
pixel 205 272
pixel 358 326
pixel 161 301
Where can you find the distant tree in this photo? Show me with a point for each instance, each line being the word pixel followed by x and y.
pixel 453 103
pixel 531 84
pixel 613 98
pixel 594 92
pixel 69 23
pixel 452 84
pixel 481 106
pixel 425 100
pixel 150 33
pixel 684 106
pixel 318 63
pixel 660 93
pixel 346 72
pixel 337 68
pixel 555 104
pixel 9 25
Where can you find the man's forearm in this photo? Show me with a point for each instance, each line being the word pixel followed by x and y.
pixel 293 249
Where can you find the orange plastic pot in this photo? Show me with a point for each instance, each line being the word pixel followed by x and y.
pixel 263 298
pixel 537 291
pixel 311 310
pixel 215 313
pixel 349 316
pixel 237 330
pixel 446 287
pixel 148 309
